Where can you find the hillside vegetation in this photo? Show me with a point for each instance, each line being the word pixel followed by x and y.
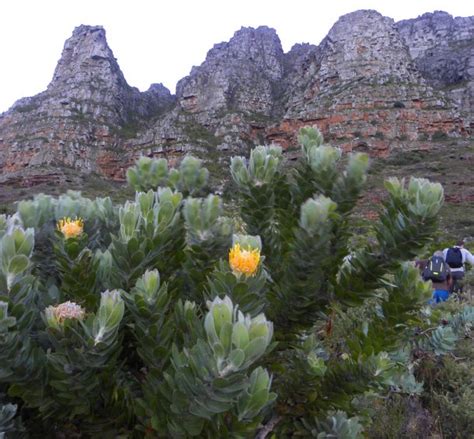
pixel 174 314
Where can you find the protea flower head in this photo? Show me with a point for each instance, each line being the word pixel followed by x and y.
pixel 56 315
pixel 244 261
pixel 71 228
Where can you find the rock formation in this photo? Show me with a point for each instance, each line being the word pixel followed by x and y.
pixel 87 109
pixel 442 48
pixel 372 84
pixel 363 90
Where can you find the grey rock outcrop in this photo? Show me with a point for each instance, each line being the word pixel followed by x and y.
pixel 442 48
pixel 238 75
pixel 224 101
pixel 361 86
pixel 87 109
pixel 361 46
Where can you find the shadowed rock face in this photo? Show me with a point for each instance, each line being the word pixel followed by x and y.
pixel 442 48
pixel 371 85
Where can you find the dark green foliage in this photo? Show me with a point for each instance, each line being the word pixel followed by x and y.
pixel 449 390
pixel 316 269
pixel 7 422
pixel 248 292
pixel 178 344
pixel 439 136
pixel 77 270
pixel 209 237
pixel 400 416
pixel 148 303
pixel 151 236
pixel 80 365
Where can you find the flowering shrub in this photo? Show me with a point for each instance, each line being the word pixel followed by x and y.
pixel 154 319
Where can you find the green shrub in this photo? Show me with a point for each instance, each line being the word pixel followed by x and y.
pixel 449 390
pixel 423 137
pixel 154 319
pixel 190 179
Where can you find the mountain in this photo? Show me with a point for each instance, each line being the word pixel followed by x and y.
pixel 372 84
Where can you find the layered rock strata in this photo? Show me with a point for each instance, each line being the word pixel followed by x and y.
pixel 372 84
pixel 442 48
pixel 87 110
pixel 361 87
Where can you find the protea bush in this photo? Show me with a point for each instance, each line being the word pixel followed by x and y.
pixel 161 318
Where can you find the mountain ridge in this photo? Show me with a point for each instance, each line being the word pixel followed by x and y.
pixel 371 85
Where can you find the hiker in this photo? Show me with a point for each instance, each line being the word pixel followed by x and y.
pixel 456 257
pixel 437 270
pixel 420 264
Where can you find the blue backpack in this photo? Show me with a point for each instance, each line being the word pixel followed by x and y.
pixel 454 257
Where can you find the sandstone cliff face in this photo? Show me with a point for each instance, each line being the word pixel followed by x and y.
pixel 361 87
pixel 371 84
pixel 238 75
pixel 223 101
pixel 87 108
pixel 442 48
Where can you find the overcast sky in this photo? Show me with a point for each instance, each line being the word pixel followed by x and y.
pixel 160 41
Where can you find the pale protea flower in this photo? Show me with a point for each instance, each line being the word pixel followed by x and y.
pixel 56 315
pixel 244 261
pixel 71 228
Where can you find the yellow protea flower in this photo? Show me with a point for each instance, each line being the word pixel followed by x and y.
pixel 244 261
pixel 71 228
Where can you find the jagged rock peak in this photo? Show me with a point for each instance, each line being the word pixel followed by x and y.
pixel 260 46
pixel 437 16
pixel 364 43
pixel 86 56
pixel 248 39
pixel 436 28
pixel 434 14
pixel 239 74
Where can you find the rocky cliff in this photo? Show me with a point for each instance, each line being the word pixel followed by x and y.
pixel 363 89
pixel 87 109
pixel 372 84
pixel 442 48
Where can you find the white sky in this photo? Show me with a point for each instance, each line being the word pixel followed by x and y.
pixel 160 41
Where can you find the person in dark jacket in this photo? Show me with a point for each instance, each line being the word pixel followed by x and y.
pixel 456 257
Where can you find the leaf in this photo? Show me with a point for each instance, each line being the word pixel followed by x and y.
pixel 255 349
pixel 240 335
pixel 237 358
pixel 18 264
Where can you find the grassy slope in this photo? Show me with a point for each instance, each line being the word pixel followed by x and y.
pixel 450 163
pixel 91 186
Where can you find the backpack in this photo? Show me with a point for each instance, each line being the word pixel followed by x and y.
pixel 435 270
pixel 454 257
